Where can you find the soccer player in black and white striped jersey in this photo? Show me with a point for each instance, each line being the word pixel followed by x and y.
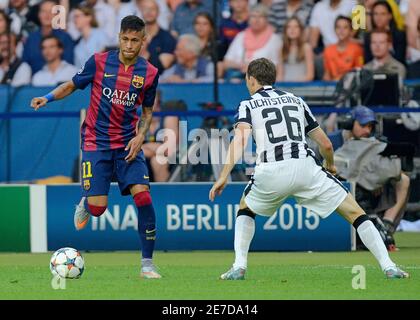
pixel 286 167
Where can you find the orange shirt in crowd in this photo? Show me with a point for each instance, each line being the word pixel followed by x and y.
pixel 338 62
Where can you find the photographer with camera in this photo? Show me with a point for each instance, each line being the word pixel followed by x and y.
pixel 381 186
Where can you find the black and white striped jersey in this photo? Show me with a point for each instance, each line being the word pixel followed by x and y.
pixel 279 122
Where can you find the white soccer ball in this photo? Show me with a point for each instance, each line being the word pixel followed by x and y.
pixel 67 263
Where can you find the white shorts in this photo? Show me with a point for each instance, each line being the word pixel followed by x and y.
pixel 303 179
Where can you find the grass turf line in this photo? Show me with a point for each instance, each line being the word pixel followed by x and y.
pixel 194 275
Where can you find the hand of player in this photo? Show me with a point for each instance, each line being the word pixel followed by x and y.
pixel 134 147
pixel 217 188
pixel 38 102
pixel 331 168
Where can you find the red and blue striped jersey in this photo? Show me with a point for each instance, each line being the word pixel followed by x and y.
pixel 115 100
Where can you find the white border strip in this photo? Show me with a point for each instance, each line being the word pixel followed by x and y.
pixel 352 229
pixel 38 218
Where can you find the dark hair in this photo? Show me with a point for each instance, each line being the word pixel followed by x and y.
pixel 59 43
pixel 342 18
pixel 7 19
pixel 263 70
pixel 388 33
pixel 132 23
pixel 56 2
pixel 88 11
pixel 10 35
pixel 207 16
pixel 388 8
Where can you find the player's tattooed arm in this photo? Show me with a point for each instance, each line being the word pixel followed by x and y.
pixel 145 121
pixel 134 145
pixel 62 91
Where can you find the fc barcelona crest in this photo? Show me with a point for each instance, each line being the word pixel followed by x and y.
pixel 137 81
pixel 86 184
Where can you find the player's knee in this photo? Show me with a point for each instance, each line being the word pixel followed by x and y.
pixel 246 212
pixel 359 220
pixel 95 210
pixel 142 199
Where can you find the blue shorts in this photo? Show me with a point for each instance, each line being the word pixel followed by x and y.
pixel 99 167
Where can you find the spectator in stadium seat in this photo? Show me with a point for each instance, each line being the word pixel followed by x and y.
pixel 230 27
pixel 160 129
pixel 256 41
pixel 389 205
pixel 183 20
pixel 397 7
pixel 4 22
pixel 93 40
pixel 190 66
pixel 383 19
pixel 383 62
pixel 323 18
pixel 344 56
pixel 105 16
pixel 413 31
pixel 12 70
pixel 296 56
pixel 133 7
pixel 32 48
pixel 56 70
pixel 23 18
pixel 160 44
pixel 281 10
pixel 121 9
pixel 165 15
pixel 204 29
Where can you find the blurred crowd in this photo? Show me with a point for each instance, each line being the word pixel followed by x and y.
pixel 43 45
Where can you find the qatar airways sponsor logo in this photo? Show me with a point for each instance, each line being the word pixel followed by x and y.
pixel 120 97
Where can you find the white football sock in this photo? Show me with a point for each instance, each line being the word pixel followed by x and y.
pixel 244 232
pixel 372 240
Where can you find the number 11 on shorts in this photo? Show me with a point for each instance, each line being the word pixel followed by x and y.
pixel 87 169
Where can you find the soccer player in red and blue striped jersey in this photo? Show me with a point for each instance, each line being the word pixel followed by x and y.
pixel 114 130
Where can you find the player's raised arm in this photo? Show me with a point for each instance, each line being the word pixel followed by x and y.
pixel 235 151
pixel 62 91
pixel 80 80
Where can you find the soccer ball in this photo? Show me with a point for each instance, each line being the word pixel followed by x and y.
pixel 67 263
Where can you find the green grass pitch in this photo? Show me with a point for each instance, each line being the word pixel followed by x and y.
pixel 194 275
